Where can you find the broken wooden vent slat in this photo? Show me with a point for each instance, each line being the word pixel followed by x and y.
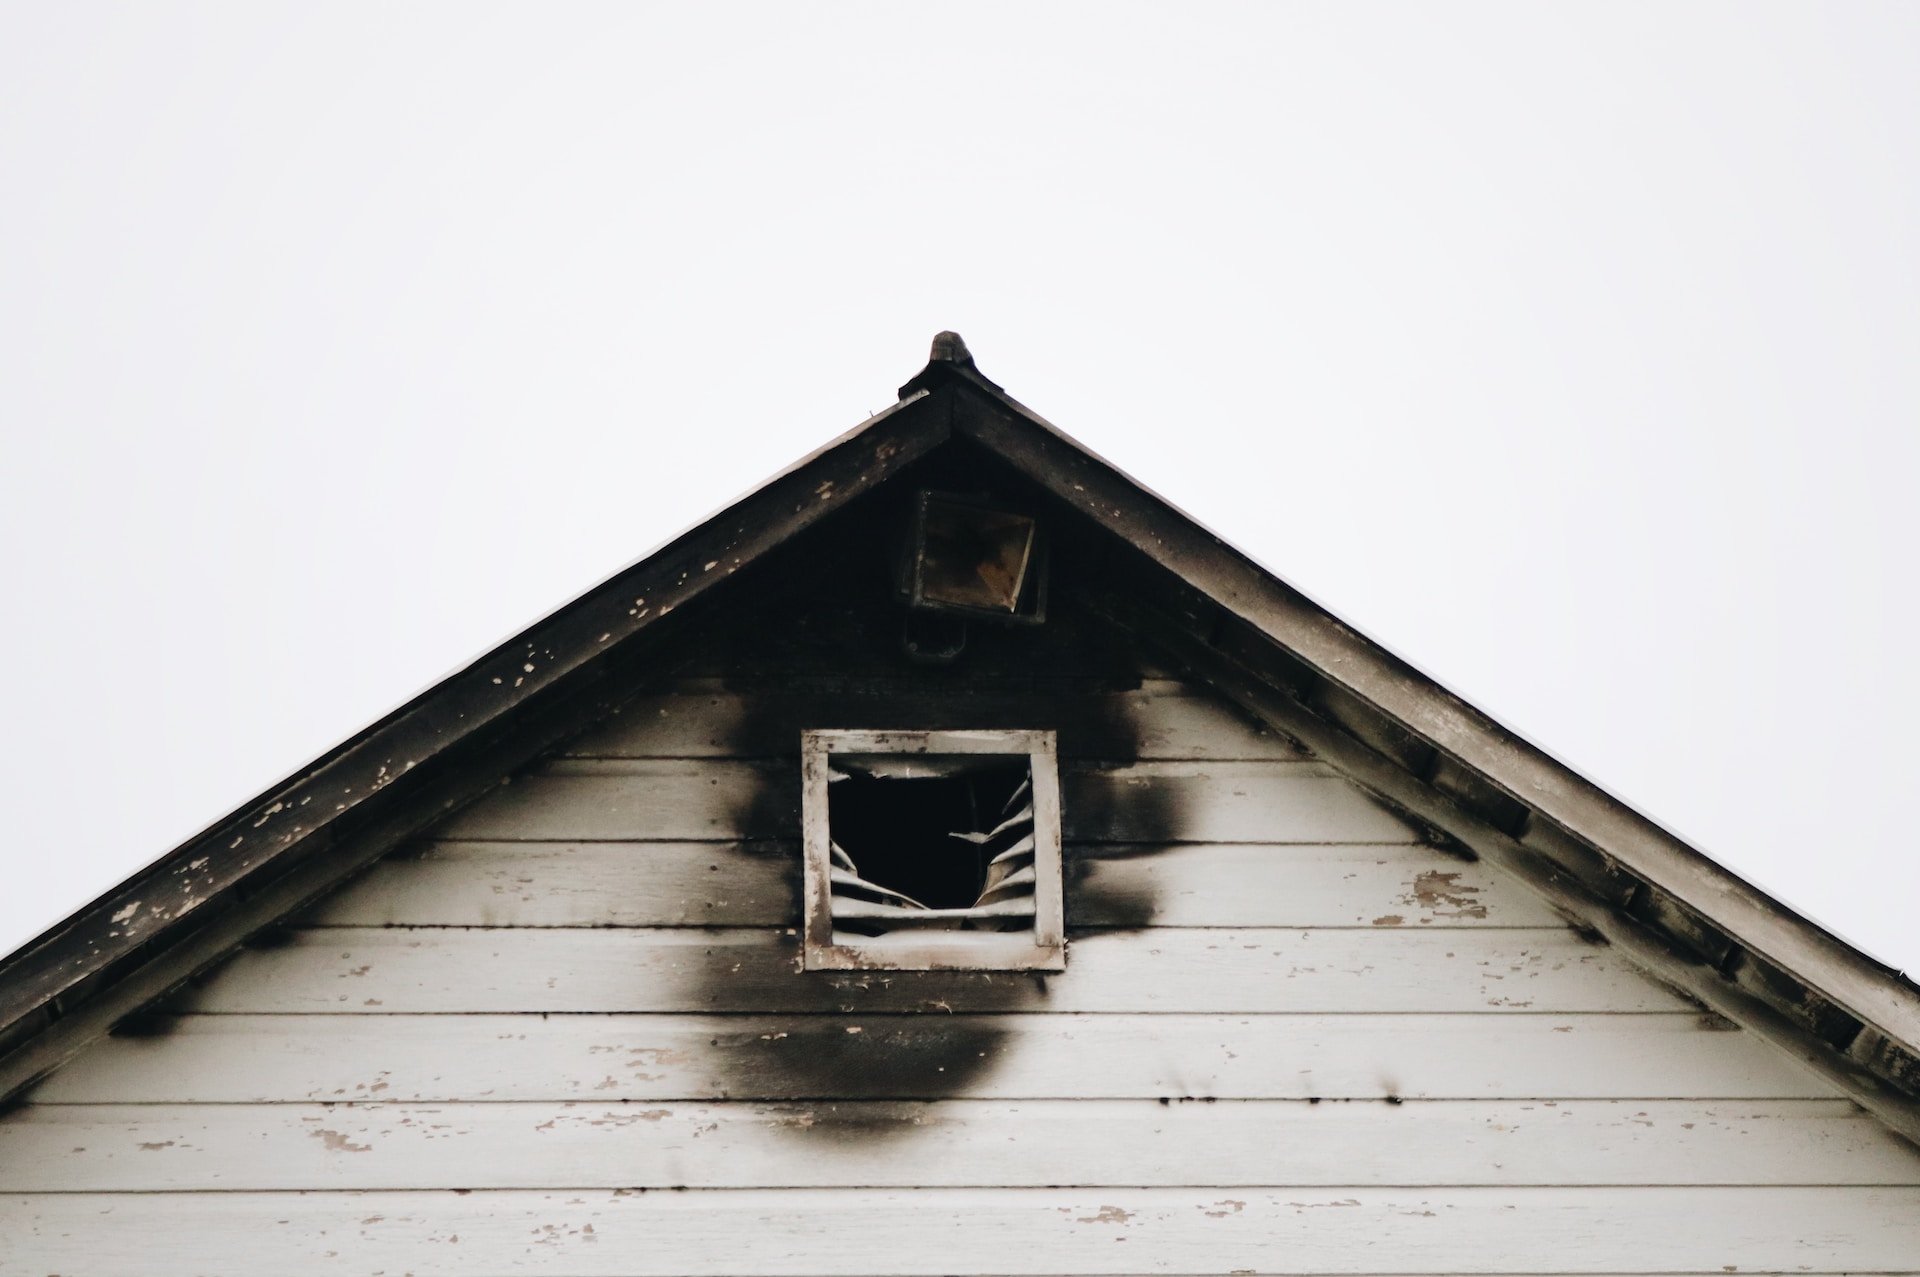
pixel 1007 876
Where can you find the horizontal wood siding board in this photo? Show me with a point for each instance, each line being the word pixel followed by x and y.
pixel 808 1232
pixel 389 970
pixel 534 884
pixel 729 800
pixel 1249 884
pixel 158 902
pixel 525 884
pixel 611 1058
pixel 955 1143
pixel 768 723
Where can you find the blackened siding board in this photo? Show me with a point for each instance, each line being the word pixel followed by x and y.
pixel 1292 1037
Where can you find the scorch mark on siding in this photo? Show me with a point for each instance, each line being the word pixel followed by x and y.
pixel 919 1054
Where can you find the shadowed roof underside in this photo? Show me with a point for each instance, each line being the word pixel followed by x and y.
pixel 1680 916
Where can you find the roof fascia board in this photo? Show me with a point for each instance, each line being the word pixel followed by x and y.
pixel 166 900
pixel 1870 991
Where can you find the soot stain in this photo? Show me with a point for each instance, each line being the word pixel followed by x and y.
pixel 1096 898
pixel 824 1043
pixel 1154 813
pixel 150 1021
pixel 903 1035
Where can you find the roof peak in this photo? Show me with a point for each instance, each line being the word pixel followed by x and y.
pixel 948 357
pixel 1216 615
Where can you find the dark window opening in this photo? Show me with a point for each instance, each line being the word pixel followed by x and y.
pixel 929 832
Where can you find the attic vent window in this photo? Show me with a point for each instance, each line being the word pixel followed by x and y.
pixel 931 850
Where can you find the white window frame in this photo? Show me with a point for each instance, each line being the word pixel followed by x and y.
pixel 1044 948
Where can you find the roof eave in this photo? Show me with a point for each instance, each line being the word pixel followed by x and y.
pixel 136 926
pixel 1548 791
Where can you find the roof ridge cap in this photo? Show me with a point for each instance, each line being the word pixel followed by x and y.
pixel 948 359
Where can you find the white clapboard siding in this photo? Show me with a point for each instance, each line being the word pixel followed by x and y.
pixel 922 1233
pixel 1169 722
pixel 956 1143
pixel 566 1034
pixel 570 884
pixel 610 1058
pixel 626 884
pixel 585 799
pixel 1383 969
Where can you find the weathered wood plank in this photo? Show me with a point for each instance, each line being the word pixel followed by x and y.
pixel 586 799
pixel 532 884
pixel 526 884
pixel 1114 726
pixel 807 1232
pixel 610 1058
pixel 391 970
pixel 1254 885
pixel 956 1143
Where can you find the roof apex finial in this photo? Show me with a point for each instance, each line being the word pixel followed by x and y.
pixel 950 348
pixel 950 360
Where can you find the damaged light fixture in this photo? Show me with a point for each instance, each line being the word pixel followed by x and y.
pixel 968 558
pixel 932 850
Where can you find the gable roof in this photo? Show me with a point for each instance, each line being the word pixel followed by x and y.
pixel 1617 875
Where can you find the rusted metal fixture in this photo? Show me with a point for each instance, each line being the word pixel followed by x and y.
pixel 969 556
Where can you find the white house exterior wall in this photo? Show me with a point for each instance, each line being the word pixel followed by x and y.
pixel 567 1035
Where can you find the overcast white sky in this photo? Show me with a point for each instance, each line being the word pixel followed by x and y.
pixel 1571 352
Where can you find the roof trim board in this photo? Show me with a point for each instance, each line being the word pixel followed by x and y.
pixel 1285 617
pixel 105 942
pixel 1691 921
